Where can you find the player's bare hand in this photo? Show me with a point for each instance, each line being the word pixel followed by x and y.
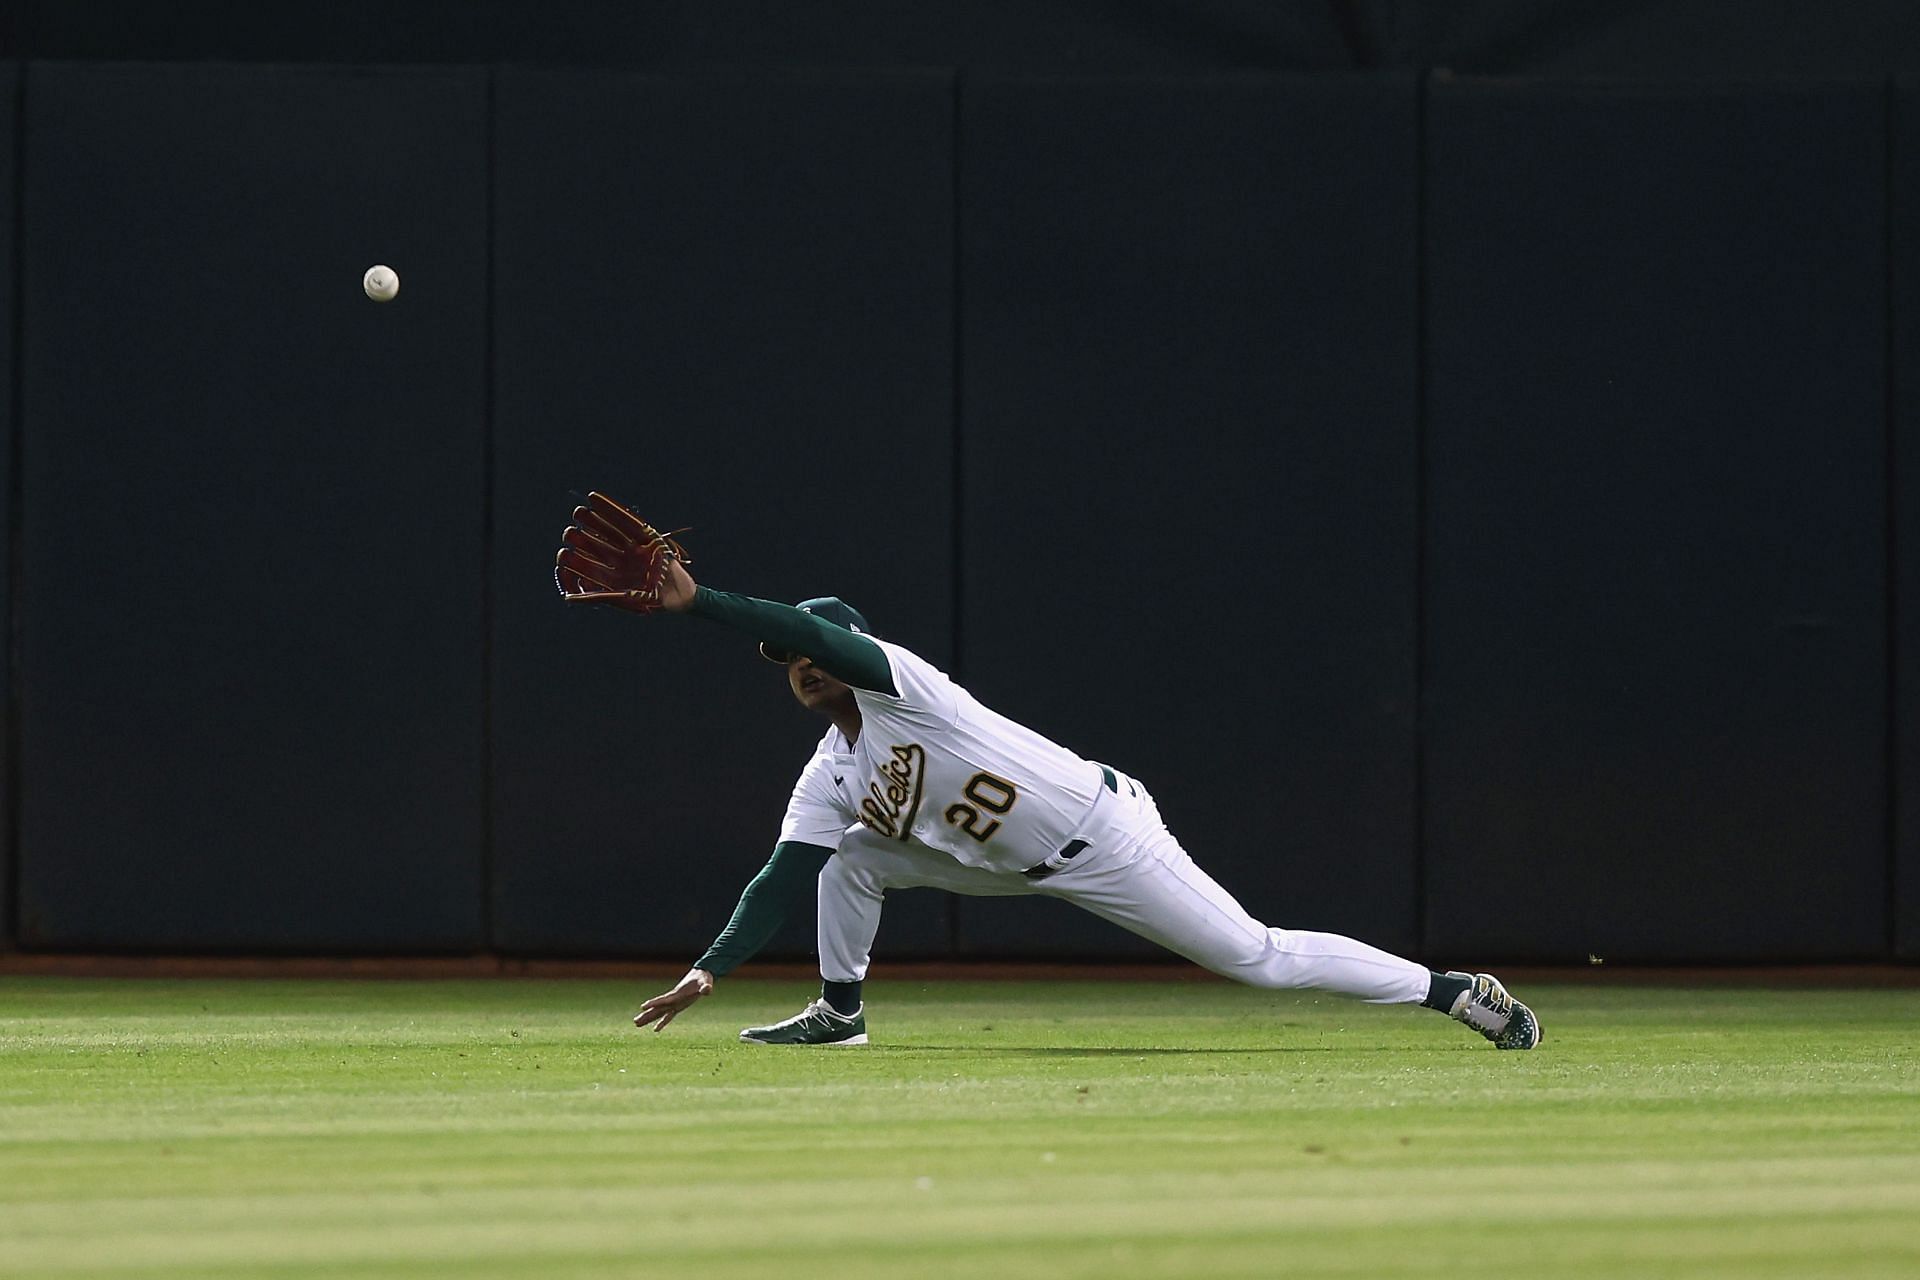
pixel 668 1005
pixel 676 593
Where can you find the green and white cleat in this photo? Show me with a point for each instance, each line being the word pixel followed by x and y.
pixel 815 1024
pixel 1487 1008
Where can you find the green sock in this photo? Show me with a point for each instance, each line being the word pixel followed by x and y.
pixel 1443 989
pixel 842 997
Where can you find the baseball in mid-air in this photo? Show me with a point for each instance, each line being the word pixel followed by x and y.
pixel 381 283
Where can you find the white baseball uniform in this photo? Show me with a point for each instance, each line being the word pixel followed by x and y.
pixel 941 791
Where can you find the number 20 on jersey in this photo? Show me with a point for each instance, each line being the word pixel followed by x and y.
pixel 989 795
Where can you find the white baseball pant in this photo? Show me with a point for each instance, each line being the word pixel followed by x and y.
pixel 1132 872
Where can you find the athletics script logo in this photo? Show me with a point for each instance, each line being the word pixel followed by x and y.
pixel 893 798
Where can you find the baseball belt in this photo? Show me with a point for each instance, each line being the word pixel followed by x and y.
pixel 1072 848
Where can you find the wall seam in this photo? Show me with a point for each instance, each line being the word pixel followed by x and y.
pixel 487 447
pixel 1421 658
pixel 1891 532
pixel 11 926
pixel 956 468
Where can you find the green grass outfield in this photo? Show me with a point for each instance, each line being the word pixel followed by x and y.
pixel 1006 1130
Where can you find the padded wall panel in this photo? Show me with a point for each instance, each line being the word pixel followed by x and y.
pixel 9 101
pixel 251 620
pixel 1905 212
pixel 863 34
pixel 1567 38
pixel 1188 538
pixel 1656 522
pixel 728 302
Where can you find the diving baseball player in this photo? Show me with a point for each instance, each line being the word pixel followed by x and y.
pixel 915 783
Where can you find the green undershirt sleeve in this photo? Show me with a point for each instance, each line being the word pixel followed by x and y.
pixel 840 653
pixel 788 876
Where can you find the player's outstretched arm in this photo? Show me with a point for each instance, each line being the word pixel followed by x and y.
pixel 788 877
pixel 609 555
pixel 845 655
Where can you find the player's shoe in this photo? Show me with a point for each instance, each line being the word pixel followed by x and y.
pixel 815 1024
pixel 1487 1008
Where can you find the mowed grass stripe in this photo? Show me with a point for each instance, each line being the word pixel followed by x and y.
pixel 1019 1129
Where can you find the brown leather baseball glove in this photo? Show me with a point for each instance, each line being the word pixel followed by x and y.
pixel 611 556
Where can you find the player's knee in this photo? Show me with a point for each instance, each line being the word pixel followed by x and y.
pixel 1257 970
pixel 1257 962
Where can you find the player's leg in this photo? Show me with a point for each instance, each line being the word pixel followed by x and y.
pixel 854 885
pixel 1164 897
pixel 1171 901
pixel 1147 883
pixel 852 892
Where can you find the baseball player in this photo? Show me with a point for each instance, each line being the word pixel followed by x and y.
pixel 916 783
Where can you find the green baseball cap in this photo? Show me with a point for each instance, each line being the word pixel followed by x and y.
pixel 828 609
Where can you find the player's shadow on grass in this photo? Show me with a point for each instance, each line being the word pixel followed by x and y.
pixel 1094 1051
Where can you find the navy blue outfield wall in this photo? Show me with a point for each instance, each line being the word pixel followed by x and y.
pixel 1187 542
pixel 257 727
pixel 9 103
pixel 1468 509
pixel 728 302
pixel 1904 423
pixel 1566 38
pixel 1655 533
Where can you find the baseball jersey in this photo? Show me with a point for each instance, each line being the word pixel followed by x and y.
pixel 934 765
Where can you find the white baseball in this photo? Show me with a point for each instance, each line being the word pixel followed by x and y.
pixel 381 283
